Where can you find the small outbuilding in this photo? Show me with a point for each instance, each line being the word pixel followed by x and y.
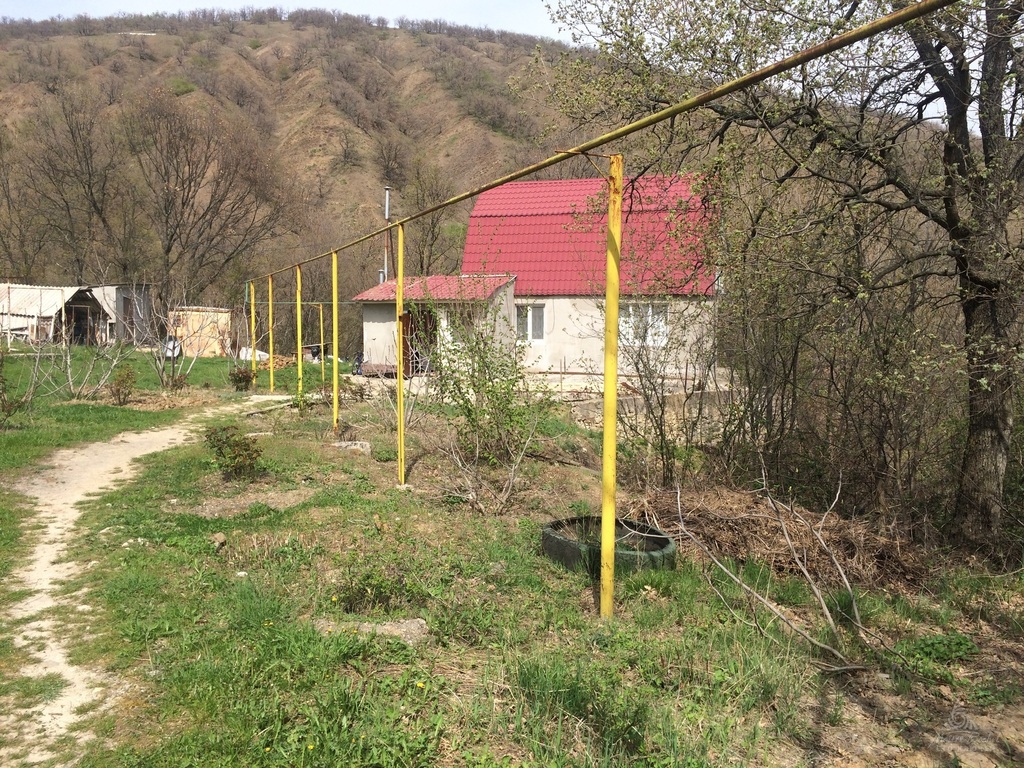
pixel 37 313
pixel 202 331
pixel 129 309
pixel 434 306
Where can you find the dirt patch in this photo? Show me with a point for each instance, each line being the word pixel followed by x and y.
pixel 147 400
pixel 212 507
pixel 863 719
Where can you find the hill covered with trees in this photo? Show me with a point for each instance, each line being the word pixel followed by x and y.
pixel 113 130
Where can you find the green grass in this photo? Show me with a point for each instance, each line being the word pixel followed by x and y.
pixel 247 656
pixel 46 428
pixel 181 86
pixel 25 692
pixel 13 515
pixel 203 372
pixel 238 674
pixel 35 433
pixel 313 377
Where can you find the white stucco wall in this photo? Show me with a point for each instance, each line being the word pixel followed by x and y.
pixel 573 343
pixel 134 328
pixel 503 305
pixel 573 340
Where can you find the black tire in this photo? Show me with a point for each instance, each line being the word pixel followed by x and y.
pixel 571 543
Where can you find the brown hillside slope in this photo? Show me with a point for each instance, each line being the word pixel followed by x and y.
pixel 346 106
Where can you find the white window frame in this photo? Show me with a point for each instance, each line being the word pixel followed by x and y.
pixel 644 323
pixel 530 322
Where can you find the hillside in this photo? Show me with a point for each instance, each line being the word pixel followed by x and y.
pixel 343 105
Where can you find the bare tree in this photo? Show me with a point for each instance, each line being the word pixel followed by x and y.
pixel 73 164
pixel 391 155
pixel 209 192
pixel 433 242
pixel 921 124
pixel 79 171
pixel 23 231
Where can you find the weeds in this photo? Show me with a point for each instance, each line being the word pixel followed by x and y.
pixel 79 371
pixel 10 404
pixel 932 655
pixel 550 689
pixel 177 382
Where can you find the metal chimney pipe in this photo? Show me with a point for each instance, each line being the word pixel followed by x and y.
pixel 387 235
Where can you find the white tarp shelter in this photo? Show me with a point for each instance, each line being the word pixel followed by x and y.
pixel 46 313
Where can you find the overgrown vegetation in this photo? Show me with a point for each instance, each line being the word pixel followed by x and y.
pixel 869 253
pixel 242 377
pixel 479 388
pixel 122 387
pixel 10 403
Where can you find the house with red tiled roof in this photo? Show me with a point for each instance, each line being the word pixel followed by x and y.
pixel 551 235
pixel 535 257
pixel 433 305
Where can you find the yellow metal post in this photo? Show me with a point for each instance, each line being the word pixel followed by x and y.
pixel 298 329
pixel 334 334
pixel 252 323
pixel 400 376
pixel 611 361
pixel 323 364
pixel 270 328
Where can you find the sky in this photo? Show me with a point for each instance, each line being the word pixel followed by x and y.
pixel 526 16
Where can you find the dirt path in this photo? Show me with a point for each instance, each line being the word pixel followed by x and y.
pixel 68 477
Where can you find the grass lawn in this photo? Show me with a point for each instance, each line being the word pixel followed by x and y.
pixel 252 658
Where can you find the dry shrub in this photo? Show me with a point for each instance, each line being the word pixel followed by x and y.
pixel 745 526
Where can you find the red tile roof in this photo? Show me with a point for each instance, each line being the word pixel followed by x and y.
pixel 551 236
pixel 440 288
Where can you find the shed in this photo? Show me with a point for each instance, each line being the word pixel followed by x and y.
pixel 51 313
pixel 202 331
pixel 129 309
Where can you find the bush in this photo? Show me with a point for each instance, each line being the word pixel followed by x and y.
pixel 236 455
pixel 123 385
pixel 481 382
pixel 242 377
pixel 181 87
pixel 480 390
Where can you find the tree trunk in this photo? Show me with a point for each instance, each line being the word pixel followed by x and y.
pixel 988 319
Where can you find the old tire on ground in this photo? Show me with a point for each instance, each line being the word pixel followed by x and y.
pixel 576 543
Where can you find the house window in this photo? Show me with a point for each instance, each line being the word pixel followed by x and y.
pixel 530 321
pixel 460 319
pixel 643 324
